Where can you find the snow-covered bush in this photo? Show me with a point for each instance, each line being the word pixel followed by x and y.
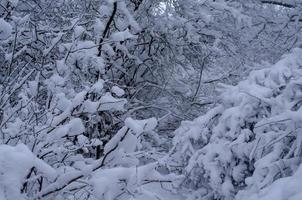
pixel 73 73
pixel 281 189
pixel 61 97
pixel 119 174
pixel 249 140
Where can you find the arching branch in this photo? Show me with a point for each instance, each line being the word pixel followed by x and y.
pixel 278 3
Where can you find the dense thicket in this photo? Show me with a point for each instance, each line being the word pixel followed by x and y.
pixel 91 93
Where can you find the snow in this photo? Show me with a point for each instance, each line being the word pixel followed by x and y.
pixel 132 22
pixel 98 86
pixel 69 106
pixel 117 91
pixel 14 2
pixel 13 129
pixel 15 164
pixel 288 188
pixel 124 140
pixel 55 80
pixel 111 183
pixel 78 31
pixel 108 102
pixel 98 27
pixel 63 102
pixel 108 49
pixel 128 140
pixel 121 36
pixel 140 126
pixel 5 29
pixel 90 106
pixel 72 128
pixel 76 127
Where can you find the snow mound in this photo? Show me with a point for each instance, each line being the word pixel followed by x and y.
pixel 5 29
pixel 15 164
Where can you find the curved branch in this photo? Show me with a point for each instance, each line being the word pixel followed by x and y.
pixel 277 3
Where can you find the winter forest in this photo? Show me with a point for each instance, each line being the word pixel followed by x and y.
pixel 150 99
